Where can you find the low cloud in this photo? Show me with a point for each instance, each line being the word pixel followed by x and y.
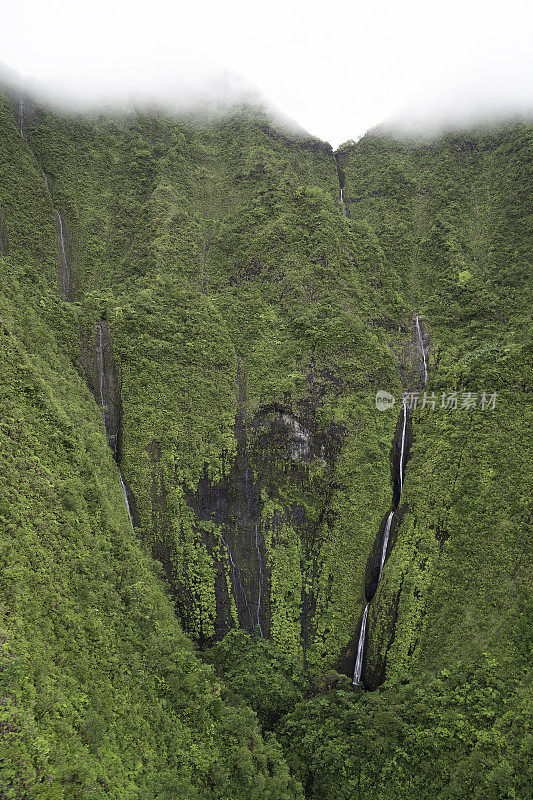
pixel 337 70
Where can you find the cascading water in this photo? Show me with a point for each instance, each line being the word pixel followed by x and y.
pixel 260 592
pixel 236 581
pixel 358 669
pixel 386 536
pixel 64 278
pixel 402 449
pixel 127 502
pixel 341 201
pixel 399 469
pixel 422 348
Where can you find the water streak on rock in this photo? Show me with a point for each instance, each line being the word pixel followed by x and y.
pixel 64 276
pixel 128 508
pixel 358 669
pixel 260 592
pixel 386 537
pixel 402 450
pixel 421 340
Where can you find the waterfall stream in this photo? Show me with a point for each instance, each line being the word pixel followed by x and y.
pixel 358 669
pixel 341 201
pixel 402 450
pixel 386 536
pixel 64 278
pixel 125 493
pixel 236 581
pixel 260 592
pixel 421 340
pixel 398 469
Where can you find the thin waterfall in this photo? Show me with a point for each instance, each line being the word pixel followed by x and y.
pixel 386 536
pixel 421 340
pixel 388 524
pixel 341 201
pixel 260 592
pixel 358 669
pixel 65 274
pixel 236 580
pixel 402 450
pixel 128 509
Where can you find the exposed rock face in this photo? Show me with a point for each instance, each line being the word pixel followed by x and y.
pixel 273 449
pixel 235 505
pixel 284 426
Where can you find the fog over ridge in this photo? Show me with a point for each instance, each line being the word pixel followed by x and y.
pixel 336 72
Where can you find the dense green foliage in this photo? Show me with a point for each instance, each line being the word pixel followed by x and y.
pixel 256 671
pixel 206 247
pixel 446 212
pixel 449 735
pixel 251 323
pixel 102 695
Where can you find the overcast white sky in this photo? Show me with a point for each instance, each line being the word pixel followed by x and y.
pixel 335 67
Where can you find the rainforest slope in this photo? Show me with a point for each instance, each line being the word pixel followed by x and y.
pixel 251 319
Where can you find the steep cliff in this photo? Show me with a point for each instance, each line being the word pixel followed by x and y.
pixel 453 217
pixel 234 321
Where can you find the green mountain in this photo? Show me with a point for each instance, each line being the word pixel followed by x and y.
pixel 196 508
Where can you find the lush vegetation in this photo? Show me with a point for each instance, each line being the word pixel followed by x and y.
pixel 453 734
pixel 457 579
pixel 251 323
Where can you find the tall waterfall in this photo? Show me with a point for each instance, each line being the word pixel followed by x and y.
pixel 402 449
pixel 341 202
pixel 398 469
pixel 64 278
pixel 421 340
pixel 386 536
pixel 358 669
pixel 260 591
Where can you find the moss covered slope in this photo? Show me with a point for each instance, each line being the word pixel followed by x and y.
pixel 453 217
pixel 102 693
